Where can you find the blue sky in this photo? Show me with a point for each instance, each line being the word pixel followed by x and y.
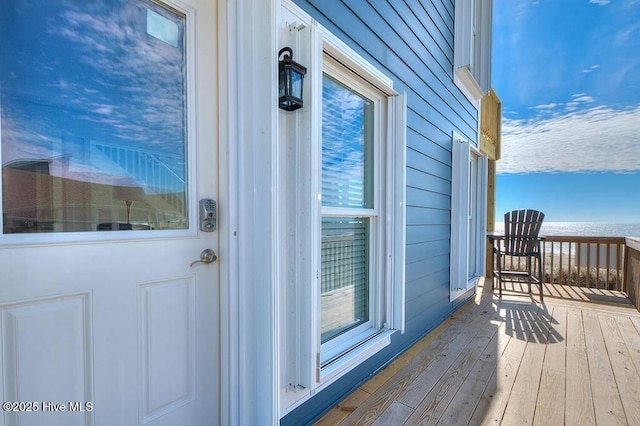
pixel 568 75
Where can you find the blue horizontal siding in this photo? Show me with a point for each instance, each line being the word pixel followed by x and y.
pixel 421 144
pixel 417 123
pixel 427 199
pixel 437 289
pixel 412 43
pixel 425 179
pixel 429 29
pixel 421 233
pixel 420 251
pixel 427 283
pixel 425 216
pixel 383 47
pixel 438 25
pixel 425 267
pixel 419 161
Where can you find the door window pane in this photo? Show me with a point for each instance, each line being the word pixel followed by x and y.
pixel 347 147
pixel 345 275
pixel 92 116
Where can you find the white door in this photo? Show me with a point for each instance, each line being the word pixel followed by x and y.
pixel 108 140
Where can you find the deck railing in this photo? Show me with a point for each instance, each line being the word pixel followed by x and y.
pixel 595 262
pixel 585 261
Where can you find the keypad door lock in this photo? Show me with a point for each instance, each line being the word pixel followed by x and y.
pixel 208 215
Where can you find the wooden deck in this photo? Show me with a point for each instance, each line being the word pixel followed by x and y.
pixel 574 360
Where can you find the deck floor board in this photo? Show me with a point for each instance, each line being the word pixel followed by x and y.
pixel 573 360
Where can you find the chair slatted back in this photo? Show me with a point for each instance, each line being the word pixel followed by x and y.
pixel 521 229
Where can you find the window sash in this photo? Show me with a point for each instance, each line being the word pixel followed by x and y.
pixel 369 104
pixel 345 275
pixel 347 146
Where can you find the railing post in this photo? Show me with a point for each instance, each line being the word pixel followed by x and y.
pixel 619 259
pixel 631 267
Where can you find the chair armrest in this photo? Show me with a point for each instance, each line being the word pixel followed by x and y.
pixel 495 237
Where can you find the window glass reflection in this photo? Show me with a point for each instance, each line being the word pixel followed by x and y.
pixel 347 146
pixel 92 116
pixel 344 294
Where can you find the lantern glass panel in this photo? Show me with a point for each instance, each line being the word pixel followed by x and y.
pixel 296 84
pixel 284 90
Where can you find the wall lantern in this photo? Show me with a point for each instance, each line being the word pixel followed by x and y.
pixel 291 76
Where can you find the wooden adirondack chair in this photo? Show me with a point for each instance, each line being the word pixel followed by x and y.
pixel 520 239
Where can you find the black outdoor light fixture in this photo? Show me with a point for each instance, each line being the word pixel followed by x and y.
pixel 290 76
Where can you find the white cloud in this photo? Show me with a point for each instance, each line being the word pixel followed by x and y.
pixel 591 68
pixel 546 106
pixel 628 34
pixel 578 101
pixel 582 98
pixel 597 139
pixel 600 2
pixel 104 109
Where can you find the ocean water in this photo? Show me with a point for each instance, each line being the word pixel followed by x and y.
pixel 586 229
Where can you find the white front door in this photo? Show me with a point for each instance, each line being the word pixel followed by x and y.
pixel 108 140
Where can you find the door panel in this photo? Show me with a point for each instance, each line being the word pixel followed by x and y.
pixel 43 324
pixel 99 129
pixel 167 343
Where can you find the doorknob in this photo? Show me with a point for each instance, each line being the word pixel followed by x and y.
pixel 207 256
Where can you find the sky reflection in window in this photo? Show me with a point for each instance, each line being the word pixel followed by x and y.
pixel 93 116
pixel 347 147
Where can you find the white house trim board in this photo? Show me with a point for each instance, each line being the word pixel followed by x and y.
pixel 299 214
pixel 228 217
pixel 250 304
pixel 397 160
pixel 468 86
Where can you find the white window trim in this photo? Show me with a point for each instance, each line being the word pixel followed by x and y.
pixel 332 54
pixel 461 152
pixel 472 48
pixel 301 375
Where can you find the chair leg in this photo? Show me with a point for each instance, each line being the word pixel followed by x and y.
pixel 540 278
pixel 493 265
pixel 500 275
pixel 529 273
